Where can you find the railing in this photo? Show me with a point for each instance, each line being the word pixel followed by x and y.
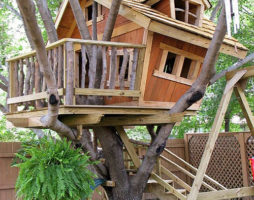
pixel 75 73
pixel 172 159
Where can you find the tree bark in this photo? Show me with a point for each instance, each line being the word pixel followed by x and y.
pixel 235 66
pixel 27 9
pixel 47 20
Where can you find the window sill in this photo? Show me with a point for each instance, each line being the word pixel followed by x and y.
pixel 173 78
pixel 99 18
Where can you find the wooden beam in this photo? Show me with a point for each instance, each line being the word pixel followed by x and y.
pixel 61 13
pixel 107 92
pixel 193 38
pixel 195 169
pixel 129 146
pixel 128 13
pixel 146 64
pixel 175 178
pixel 141 120
pixel 245 107
pixel 32 97
pixel 226 194
pixel 170 188
pixel 250 73
pixel 186 172
pixel 173 77
pixel 74 120
pixel 210 144
pixel 231 83
pixel 181 52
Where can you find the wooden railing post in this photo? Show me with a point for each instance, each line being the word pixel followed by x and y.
pixel 140 68
pixel 12 89
pixel 69 98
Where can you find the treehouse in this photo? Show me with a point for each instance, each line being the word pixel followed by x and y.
pixel 155 54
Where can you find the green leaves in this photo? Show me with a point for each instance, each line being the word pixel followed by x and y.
pixel 53 170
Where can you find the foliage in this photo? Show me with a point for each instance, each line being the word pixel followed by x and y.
pixel 14 135
pixel 53 171
pixel 139 133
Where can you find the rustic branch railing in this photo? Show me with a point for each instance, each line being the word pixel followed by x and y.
pixel 121 73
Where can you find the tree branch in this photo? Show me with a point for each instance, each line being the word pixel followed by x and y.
pixel 113 12
pixel 3 108
pixel 81 22
pixel 47 20
pixel 216 10
pixel 4 79
pixel 3 87
pixel 27 10
pixel 10 8
pixel 235 66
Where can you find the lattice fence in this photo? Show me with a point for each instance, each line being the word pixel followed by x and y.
pixel 229 164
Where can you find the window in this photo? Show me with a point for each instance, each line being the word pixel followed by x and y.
pixel 89 12
pixel 178 65
pixel 187 11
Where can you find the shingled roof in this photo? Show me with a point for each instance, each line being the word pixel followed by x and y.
pixel 158 22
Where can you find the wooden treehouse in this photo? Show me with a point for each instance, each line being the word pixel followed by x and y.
pixel 155 54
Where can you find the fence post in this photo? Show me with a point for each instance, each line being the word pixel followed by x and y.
pixel 186 152
pixel 243 159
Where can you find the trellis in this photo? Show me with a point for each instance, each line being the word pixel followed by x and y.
pixel 236 82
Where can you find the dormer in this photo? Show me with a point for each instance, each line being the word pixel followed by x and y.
pixel 188 11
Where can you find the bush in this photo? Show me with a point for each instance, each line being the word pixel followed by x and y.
pixel 53 171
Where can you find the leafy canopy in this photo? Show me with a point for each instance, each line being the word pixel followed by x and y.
pixel 53 170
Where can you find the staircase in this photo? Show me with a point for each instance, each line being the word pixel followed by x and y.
pixel 164 184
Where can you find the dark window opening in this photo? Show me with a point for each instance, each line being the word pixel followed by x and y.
pixel 170 61
pixel 120 66
pixel 186 67
pixel 89 10
pixel 180 10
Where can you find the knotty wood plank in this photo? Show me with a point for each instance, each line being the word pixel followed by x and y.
pixel 106 92
pixel 226 194
pixel 245 107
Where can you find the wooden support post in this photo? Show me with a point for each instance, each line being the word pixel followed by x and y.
pixel 134 69
pixel 244 162
pixel 129 146
pixel 13 73
pixel 113 68
pixel 80 131
pixel 245 107
pixel 70 74
pixel 210 143
pixel 60 67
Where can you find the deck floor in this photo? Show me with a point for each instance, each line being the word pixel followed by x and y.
pixel 90 115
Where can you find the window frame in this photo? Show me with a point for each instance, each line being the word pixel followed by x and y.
pixel 199 13
pixel 196 63
pixel 100 16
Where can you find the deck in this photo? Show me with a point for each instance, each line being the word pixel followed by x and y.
pixel 89 116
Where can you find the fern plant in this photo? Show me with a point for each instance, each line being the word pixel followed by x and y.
pixel 53 171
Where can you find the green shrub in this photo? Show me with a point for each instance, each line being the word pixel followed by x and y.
pixel 53 171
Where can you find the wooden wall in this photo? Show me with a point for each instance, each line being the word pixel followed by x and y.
pixel 8 174
pixel 158 89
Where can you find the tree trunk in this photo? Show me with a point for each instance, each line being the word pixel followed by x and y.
pixel 47 20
